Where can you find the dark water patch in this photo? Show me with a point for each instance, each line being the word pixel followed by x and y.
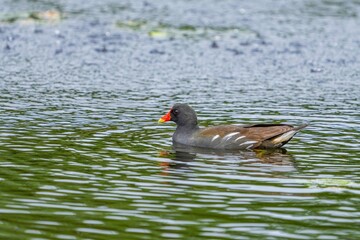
pixel 332 8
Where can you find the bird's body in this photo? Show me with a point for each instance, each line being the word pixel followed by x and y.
pixel 226 136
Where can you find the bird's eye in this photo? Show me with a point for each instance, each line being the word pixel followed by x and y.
pixel 175 111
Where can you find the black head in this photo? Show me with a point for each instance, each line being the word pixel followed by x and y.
pixel 182 114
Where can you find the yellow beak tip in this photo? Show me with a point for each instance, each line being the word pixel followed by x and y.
pixel 161 120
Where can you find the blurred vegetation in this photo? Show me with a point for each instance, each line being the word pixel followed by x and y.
pixel 49 16
pixel 164 30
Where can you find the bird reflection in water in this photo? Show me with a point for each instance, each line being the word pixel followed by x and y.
pixel 277 160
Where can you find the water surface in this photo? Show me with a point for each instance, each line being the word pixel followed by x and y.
pixel 82 88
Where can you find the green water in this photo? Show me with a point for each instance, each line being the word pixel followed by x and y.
pixel 82 155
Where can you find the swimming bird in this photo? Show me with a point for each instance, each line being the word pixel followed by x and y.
pixel 243 137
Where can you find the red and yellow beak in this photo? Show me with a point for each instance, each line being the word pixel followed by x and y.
pixel 165 118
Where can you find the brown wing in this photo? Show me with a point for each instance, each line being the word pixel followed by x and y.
pixel 258 132
pixel 262 132
pixel 221 130
pixel 233 136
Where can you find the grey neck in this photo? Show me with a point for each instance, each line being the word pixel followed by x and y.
pixel 187 128
pixel 183 134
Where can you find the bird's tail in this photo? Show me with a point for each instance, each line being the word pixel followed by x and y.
pixel 301 127
pixel 287 136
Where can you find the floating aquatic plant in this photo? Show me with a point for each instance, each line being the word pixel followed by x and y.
pixel 164 30
pixel 330 183
pixel 49 16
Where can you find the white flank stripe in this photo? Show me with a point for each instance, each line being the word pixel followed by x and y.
pixel 284 137
pixel 247 142
pixel 239 138
pixel 228 136
pixel 250 146
pixel 215 137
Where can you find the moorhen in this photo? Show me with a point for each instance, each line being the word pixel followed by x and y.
pixel 226 136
